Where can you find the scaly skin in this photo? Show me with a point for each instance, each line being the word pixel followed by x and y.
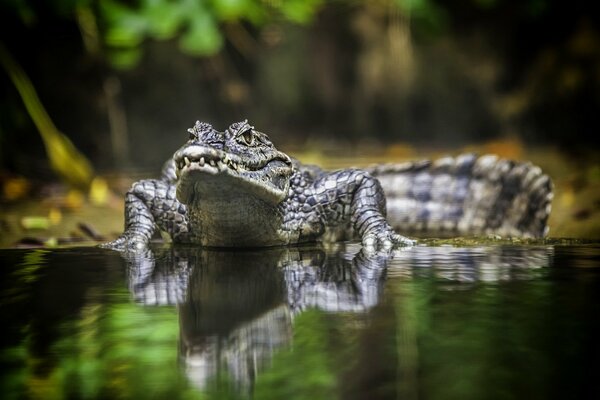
pixel 467 195
pixel 235 189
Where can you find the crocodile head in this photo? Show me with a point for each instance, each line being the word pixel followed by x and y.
pixel 238 162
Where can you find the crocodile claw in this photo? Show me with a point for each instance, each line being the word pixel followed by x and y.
pixel 126 243
pixel 385 238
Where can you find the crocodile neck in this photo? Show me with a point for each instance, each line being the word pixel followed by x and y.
pixel 221 220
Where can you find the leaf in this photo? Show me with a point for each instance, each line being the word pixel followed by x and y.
pixel 232 9
pixel 125 27
pixel 35 222
pixel 202 38
pixel 164 18
pixel 123 36
pixel 124 58
pixel 99 191
pixel 299 11
pixel 65 159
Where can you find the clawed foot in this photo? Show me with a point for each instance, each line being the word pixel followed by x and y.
pixel 127 243
pixel 385 238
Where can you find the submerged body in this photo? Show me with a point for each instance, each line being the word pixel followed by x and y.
pixel 235 189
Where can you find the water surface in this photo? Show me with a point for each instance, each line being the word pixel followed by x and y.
pixel 434 321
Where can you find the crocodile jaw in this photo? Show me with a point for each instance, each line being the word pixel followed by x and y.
pixel 208 173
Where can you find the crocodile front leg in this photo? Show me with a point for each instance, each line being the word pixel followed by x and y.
pixel 353 198
pixel 149 205
pixel 368 215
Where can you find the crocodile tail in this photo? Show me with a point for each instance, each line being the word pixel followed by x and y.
pixel 467 195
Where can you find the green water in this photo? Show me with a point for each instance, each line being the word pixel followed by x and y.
pixel 487 321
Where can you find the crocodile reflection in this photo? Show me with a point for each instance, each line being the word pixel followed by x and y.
pixel 236 308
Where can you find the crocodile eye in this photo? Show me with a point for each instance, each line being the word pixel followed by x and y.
pixel 248 137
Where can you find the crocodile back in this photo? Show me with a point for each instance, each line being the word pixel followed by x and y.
pixel 466 195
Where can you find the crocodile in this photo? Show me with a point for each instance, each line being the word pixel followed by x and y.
pixel 234 188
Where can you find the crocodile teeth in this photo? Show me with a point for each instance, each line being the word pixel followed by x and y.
pixel 201 162
pixel 212 162
pixel 187 161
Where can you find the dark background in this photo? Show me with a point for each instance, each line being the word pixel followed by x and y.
pixel 342 74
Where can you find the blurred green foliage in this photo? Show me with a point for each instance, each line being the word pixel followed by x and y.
pixel 421 71
pixel 195 23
